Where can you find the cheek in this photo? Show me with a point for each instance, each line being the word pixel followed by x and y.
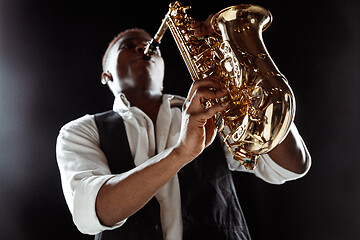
pixel 158 76
pixel 121 69
pixel 160 69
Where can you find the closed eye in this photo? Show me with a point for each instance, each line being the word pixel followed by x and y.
pixel 127 46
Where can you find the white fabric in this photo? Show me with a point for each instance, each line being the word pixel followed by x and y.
pixel 267 169
pixel 83 166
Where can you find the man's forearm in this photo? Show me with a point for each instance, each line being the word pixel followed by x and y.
pixel 122 196
pixel 290 154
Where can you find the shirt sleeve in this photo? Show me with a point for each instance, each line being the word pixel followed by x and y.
pixel 268 170
pixel 83 170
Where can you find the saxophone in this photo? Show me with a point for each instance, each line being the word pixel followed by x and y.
pixel 261 102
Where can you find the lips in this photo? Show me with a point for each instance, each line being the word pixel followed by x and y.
pixel 142 59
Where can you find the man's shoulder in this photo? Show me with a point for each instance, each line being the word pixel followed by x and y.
pixel 80 130
pixel 85 121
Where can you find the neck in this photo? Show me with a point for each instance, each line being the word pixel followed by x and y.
pixel 139 97
pixel 148 101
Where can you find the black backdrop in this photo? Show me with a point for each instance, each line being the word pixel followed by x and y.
pixel 50 54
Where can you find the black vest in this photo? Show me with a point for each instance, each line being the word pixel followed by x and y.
pixel 209 204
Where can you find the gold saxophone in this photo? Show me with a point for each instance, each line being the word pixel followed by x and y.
pixel 261 102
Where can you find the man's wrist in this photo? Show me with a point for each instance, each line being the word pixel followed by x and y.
pixel 181 155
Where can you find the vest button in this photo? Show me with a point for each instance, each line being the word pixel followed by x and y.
pixel 157 227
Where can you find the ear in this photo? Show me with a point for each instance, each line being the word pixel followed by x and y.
pixel 106 77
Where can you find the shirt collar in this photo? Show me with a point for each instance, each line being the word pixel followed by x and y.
pixel 121 104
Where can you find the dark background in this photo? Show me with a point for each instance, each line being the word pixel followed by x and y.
pixel 50 54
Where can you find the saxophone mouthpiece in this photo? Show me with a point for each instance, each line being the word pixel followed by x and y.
pixel 151 49
pixel 154 44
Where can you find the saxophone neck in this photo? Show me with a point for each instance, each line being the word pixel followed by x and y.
pixel 154 44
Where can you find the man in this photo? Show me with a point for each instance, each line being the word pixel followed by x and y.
pixel 109 182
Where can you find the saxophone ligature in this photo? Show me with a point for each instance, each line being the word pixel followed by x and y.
pixel 261 102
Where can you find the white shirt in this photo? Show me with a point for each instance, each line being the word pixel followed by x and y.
pixel 84 169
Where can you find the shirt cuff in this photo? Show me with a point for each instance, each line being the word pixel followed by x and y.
pixel 84 212
pixel 283 173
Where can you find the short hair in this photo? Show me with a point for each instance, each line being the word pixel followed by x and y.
pixel 116 38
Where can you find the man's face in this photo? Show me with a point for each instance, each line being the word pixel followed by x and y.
pixel 129 69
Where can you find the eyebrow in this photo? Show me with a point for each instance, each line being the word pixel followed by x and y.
pixel 124 41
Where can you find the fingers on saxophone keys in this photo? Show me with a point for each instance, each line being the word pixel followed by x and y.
pixel 211 84
pixel 210 109
pixel 211 93
pixel 218 107
pixel 209 100
pixel 202 28
pixel 204 95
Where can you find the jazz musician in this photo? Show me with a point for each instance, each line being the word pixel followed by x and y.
pixel 153 168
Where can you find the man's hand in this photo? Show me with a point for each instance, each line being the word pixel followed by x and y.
pixel 203 28
pixel 198 129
